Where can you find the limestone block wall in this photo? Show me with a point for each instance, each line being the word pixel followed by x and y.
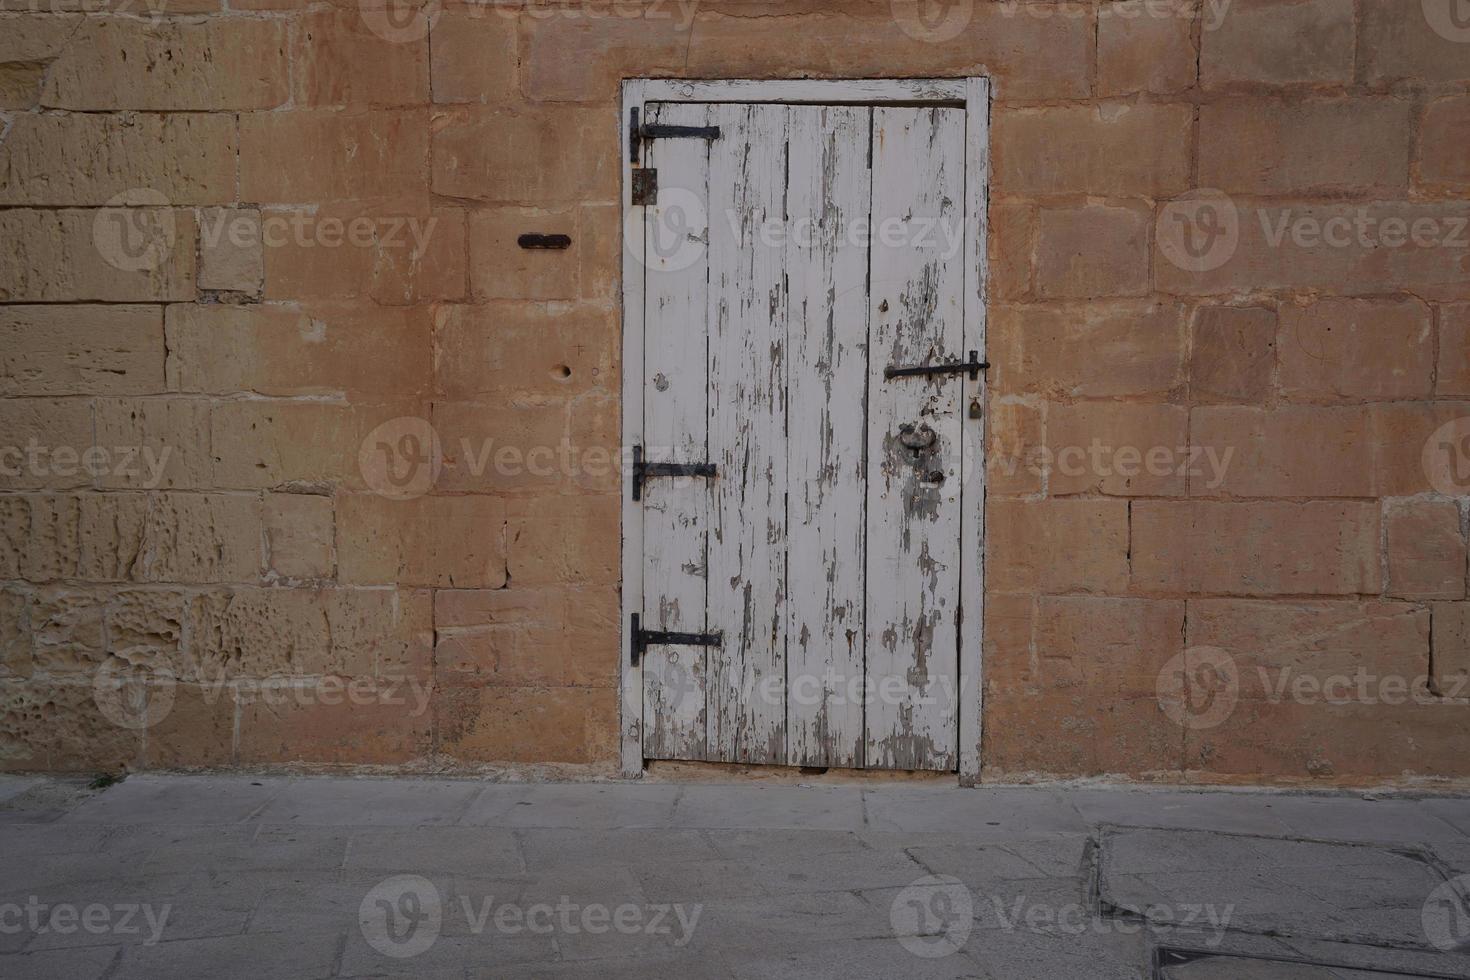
pixel 306 461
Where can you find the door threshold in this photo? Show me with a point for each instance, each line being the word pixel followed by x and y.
pixel 672 771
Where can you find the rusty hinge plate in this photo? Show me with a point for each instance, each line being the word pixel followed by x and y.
pixel 645 185
pixel 642 639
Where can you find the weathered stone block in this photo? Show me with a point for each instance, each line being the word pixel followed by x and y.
pixel 1233 353
pixel 1424 43
pixel 1452 649
pixel 231 251
pixel 1426 549
pixel 211 64
pixel 323 350
pixel 1057 546
pixel 153 444
pixel 1257 548
pixel 45 443
pixel 1279 42
pixel 83 159
pixel 299 536
pixel 1267 147
pixel 474 56
pixel 536 157
pixel 1445 126
pixel 67 631
pixel 1089 252
pixel 564 540
pixel 81 350
pixel 339 60
pixel 1106 647
pixel 1287 451
pixel 328 721
pixel 1117 449
pixel 1338 349
pixel 442 542
pixel 1015 452
pixel 315 156
pixel 1110 150
pixel 115 254
pixel 501 269
pixel 510 724
pixel 1452 379
pixel 1143 53
pixel 31 740
pixel 1012 238
pixel 1093 350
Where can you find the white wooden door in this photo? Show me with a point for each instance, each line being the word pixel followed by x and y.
pixel 788 264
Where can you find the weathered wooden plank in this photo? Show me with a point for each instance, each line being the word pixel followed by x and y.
pixel 827 198
pixel 917 283
pixel 676 429
pixel 972 493
pixel 819 91
pixel 630 739
pixel 747 552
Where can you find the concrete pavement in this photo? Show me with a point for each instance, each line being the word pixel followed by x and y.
pixel 313 877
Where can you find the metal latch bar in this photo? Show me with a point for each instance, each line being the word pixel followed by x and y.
pixel 638 132
pixel 642 639
pixel 644 470
pixel 972 367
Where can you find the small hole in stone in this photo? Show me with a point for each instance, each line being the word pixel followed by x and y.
pixel 561 372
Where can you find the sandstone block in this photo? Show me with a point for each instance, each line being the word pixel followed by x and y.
pixel 1143 53
pixel 1279 42
pixel 45 443
pixel 441 542
pixel 115 254
pixel 1415 46
pixel 564 540
pixel 474 56
pixel 340 60
pixel 1249 451
pixel 516 352
pixel 32 741
pixel 1094 350
pixel 1452 379
pixel 510 724
pixel 1012 238
pixel 1452 649
pixel 1106 647
pixel 211 64
pixel 1088 252
pixel 1257 548
pixel 1426 549
pixel 1446 125
pixel 153 444
pixel 1233 353
pixel 1015 447
pixel 88 159
pixel 1057 546
pixel 535 157
pixel 231 253
pixel 1106 151
pixel 1401 446
pixel 327 721
pixel 299 536
pixel 315 156
pixel 1117 449
pixel 1339 349
pixel 81 350
pixel 1267 147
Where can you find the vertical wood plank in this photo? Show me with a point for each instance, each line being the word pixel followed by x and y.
pixel 972 493
pixel 630 740
pixel 828 191
pixel 917 284
pixel 747 553
pixel 676 511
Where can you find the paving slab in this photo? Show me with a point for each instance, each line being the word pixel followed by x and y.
pixel 13 786
pixel 334 877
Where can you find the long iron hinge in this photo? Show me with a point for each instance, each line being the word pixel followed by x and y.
pixel 642 639
pixel 643 470
pixel 640 132
pixel 972 367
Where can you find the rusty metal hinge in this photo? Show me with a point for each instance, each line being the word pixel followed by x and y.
pixel 645 186
pixel 640 132
pixel 972 367
pixel 643 470
pixel 642 639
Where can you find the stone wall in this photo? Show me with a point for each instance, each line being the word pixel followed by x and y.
pixel 245 245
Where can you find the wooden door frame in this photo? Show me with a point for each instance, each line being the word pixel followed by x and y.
pixel 973 94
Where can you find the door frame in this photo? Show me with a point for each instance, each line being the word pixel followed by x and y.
pixel 973 95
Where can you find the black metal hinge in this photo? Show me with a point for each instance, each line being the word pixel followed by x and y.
pixel 642 470
pixel 972 367
pixel 642 639
pixel 639 132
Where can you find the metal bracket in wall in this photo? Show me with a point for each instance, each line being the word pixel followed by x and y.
pixel 972 367
pixel 641 132
pixel 537 240
pixel 642 470
pixel 643 639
